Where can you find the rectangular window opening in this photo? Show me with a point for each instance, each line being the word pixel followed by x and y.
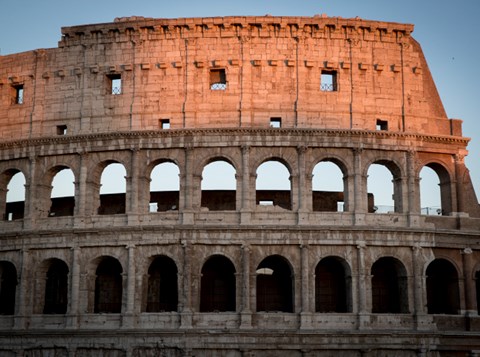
pixel 18 93
pixel 165 123
pixel 218 79
pixel 115 84
pixel 340 206
pixel 265 203
pixel 328 81
pixel 382 124
pixel 61 130
pixel 153 207
pixel 275 122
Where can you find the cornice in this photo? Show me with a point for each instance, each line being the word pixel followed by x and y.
pixel 274 132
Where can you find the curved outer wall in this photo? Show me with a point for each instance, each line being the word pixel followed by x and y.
pixel 380 106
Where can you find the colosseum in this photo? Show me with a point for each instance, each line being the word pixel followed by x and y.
pixel 168 266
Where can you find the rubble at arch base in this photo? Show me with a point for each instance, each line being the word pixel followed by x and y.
pixel 245 270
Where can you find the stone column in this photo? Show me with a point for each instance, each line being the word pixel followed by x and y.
pixel 186 310
pixel 130 305
pixel 362 286
pixel 306 303
pixel 246 312
pixel 360 194
pixel 186 188
pixel 470 288
pixel 303 189
pixel 246 193
pixel 459 172
pixel 21 299
pixel 74 289
pixel 413 191
pixel 81 187
pixel 30 195
pixel 132 188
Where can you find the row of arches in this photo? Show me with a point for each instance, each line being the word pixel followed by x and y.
pixel 274 286
pixel 329 189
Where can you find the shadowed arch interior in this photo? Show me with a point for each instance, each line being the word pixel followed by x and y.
pixel 108 286
pixel 217 285
pixel 162 294
pixel 274 285
pixel 443 294
pixel 333 286
pixel 8 287
pixel 56 288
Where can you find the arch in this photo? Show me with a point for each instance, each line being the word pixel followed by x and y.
pixel 328 188
pixel 219 185
pixel 443 293
pixel 218 286
pixel 63 192
pixel 274 285
pixel 113 188
pixel 8 287
pixel 384 181
pixel 273 185
pixel 162 290
pixel 441 197
pixel 164 187
pixel 333 285
pixel 389 286
pixel 56 288
pixel 14 194
pixel 108 286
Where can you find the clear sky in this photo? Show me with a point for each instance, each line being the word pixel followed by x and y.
pixel 447 31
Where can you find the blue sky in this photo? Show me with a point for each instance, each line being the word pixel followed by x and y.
pixel 446 30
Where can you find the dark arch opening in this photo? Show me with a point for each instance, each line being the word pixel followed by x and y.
pixel 162 294
pixel 217 285
pixel 389 286
pixel 8 287
pixel 274 285
pixel 443 294
pixel 477 290
pixel 56 288
pixel 108 286
pixel 333 286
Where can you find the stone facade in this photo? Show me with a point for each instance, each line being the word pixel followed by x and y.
pixel 217 273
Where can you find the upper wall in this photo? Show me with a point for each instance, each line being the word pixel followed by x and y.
pixel 269 67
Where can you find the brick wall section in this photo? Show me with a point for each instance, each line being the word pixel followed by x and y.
pixel 273 67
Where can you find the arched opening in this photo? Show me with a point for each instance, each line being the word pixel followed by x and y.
pixel 333 286
pixel 327 187
pixel 273 186
pixel 15 197
pixel 274 285
pixel 443 295
pixel 432 199
pixel 164 187
pixel 56 288
pixel 389 286
pixel 113 187
pixel 63 193
pixel 108 286
pixel 384 188
pixel 219 186
pixel 162 294
pixel 217 291
pixel 8 287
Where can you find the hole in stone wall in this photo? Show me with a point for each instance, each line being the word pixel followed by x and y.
pixel 218 79
pixel 328 81
pixel 164 187
pixel 219 186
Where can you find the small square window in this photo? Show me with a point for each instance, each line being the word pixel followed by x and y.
pixel 382 124
pixel 275 122
pixel 328 81
pixel 115 84
pixel 18 99
pixel 61 130
pixel 218 79
pixel 165 123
